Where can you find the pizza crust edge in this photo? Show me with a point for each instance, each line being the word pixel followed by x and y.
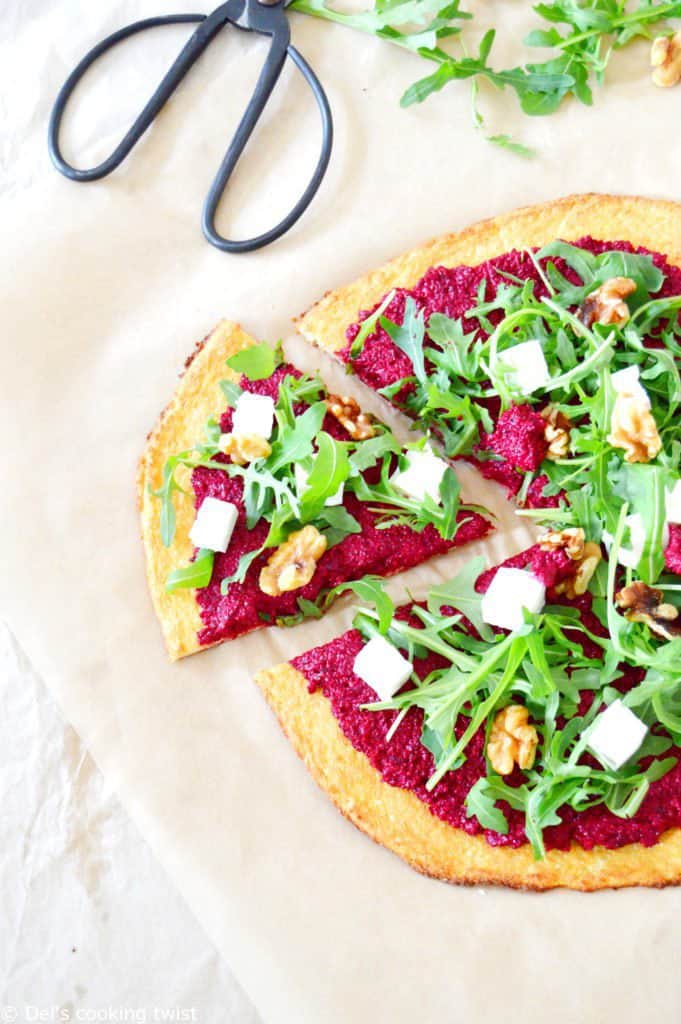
pixel 178 427
pixel 397 819
pixel 653 223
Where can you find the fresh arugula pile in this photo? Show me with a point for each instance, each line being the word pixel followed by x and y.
pixel 543 666
pixel 582 35
pixel 270 492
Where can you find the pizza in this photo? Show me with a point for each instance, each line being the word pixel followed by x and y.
pixel 522 725
pixel 261 494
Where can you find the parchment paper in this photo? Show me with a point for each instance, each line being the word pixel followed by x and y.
pixel 105 287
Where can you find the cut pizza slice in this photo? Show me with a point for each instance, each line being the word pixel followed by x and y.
pixel 506 730
pixel 260 493
pixel 544 355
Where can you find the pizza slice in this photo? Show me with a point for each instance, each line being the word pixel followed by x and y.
pixel 543 354
pixel 261 493
pixel 513 728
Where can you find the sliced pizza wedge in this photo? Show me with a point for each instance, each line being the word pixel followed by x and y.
pixel 261 493
pixel 513 728
pixel 544 347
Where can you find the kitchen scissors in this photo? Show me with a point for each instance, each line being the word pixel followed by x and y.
pixel 266 17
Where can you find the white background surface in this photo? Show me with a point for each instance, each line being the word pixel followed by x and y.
pixel 88 919
pixel 104 289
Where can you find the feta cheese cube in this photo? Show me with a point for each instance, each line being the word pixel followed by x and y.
pixel 616 735
pixel 382 667
pixel 674 503
pixel 253 414
pixel 628 382
pixel 629 555
pixel 510 591
pixel 302 476
pixel 214 524
pixel 422 476
pixel 530 372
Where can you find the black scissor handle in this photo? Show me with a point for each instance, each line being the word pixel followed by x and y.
pixel 260 96
pixel 264 17
pixel 187 57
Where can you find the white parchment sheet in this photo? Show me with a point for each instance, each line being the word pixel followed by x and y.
pixel 104 288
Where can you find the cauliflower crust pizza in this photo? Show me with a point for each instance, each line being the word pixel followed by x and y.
pixel 521 725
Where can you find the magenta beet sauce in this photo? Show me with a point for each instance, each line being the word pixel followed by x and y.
pixel 404 762
pixel 385 552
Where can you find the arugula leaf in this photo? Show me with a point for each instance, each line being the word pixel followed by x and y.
pixel 258 362
pixel 243 565
pixel 294 443
pixel 408 336
pixel 231 391
pixel 194 576
pixel 460 593
pixel 369 325
pixel 336 524
pixel 330 469
pixel 481 805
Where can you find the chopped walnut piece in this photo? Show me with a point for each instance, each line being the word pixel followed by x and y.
pixel 244 448
pixel 348 413
pixel 665 59
pixel 294 562
pixel 641 603
pixel 606 305
pixel 570 540
pixel 556 432
pixel 587 563
pixel 512 740
pixel 633 428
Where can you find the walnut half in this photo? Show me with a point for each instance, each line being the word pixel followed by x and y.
pixel 586 554
pixel 512 740
pixel 244 448
pixel 633 427
pixel 606 305
pixel 641 603
pixel 556 433
pixel 665 59
pixel 348 413
pixel 294 562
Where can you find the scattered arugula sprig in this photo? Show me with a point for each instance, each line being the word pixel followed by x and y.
pixel 541 664
pixel 583 35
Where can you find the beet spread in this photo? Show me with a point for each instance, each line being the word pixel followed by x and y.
pixel 406 763
pixel 245 607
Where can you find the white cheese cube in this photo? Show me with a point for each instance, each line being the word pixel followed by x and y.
pixel 422 476
pixel 382 667
pixel 510 591
pixel 628 382
pixel 530 372
pixel 253 414
pixel 629 555
pixel 214 524
pixel 302 476
pixel 616 735
pixel 674 503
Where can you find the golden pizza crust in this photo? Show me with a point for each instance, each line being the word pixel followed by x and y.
pixel 397 819
pixel 394 817
pixel 178 427
pixel 653 223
